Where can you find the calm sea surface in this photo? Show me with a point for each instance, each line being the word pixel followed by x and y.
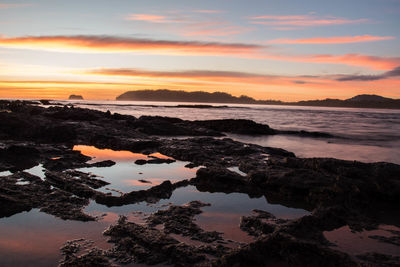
pixel 367 135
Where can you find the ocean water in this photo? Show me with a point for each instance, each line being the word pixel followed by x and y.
pixel 368 135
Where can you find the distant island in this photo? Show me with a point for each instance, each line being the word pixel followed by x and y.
pixel 75 97
pixel 359 101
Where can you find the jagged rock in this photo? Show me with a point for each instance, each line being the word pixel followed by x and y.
pixel 377 259
pixel 179 220
pixel 15 198
pixel 284 250
pixel 150 246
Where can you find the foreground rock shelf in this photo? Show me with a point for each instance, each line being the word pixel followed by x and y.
pixel 338 193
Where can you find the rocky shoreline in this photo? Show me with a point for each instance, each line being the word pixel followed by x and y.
pixel 337 192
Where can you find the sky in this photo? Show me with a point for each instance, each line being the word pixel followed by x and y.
pixel 279 50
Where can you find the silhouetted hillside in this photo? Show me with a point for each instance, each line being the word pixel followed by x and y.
pixel 182 96
pixel 369 98
pixel 360 101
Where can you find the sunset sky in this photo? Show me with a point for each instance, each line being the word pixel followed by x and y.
pixel 282 50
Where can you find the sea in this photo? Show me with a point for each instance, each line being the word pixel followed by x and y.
pixel 367 135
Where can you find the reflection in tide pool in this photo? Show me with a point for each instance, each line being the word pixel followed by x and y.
pixel 33 238
pixel 356 243
pixel 226 209
pixel 126 176
pixel 223 215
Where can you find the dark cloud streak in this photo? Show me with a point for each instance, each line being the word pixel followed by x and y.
pixel 392 73
pixel 187 74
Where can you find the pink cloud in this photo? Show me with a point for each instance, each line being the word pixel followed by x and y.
pixel 151 18
pixel 372 62
pixel 271 17
pixel 148 18
pixel 4 5
pixel 333 40
pixel 199 22
pixel 302 21
pixel 311 22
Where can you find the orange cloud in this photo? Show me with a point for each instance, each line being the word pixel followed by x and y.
pixel 333 40
pixel 303 20
pixel 107 44
pixel 174 74
pixel 149 18
pixel 89 43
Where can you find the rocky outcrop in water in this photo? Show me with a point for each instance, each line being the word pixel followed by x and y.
pixel 75 97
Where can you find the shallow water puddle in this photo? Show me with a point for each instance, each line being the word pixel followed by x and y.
pixel 108 154
pixel 356 243
pixel 222 216
pixel 38 171
pixel 126 176
pixel 5 173
pixel 22 182
pixel 34 238
pixel 226 209
pixel 236 169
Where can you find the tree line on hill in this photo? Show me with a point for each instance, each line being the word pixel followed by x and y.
pixel 360 101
